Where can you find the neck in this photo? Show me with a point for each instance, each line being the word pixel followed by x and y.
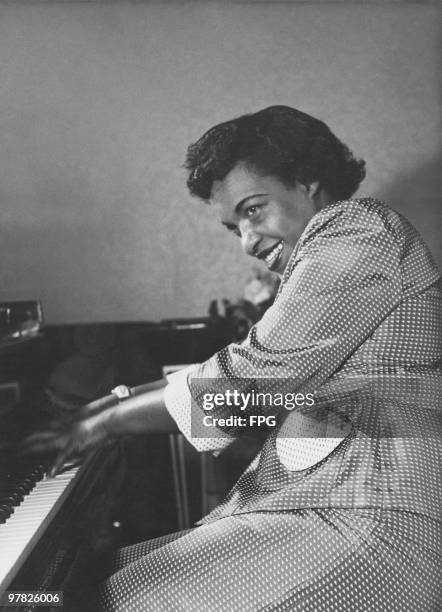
pixel 322 199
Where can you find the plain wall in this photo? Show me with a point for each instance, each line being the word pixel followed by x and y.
pixel 98 102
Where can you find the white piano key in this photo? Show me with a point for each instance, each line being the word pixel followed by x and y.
pixel 22 530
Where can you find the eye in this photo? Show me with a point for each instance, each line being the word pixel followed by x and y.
pixel 252 211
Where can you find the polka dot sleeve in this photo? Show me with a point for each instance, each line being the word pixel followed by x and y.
pixel 178 400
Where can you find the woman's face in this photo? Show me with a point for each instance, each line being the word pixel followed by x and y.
pixel 268 216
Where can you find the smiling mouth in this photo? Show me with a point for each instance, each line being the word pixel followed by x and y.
pixel 271 257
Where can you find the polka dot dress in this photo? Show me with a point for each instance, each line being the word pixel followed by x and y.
pixel 341 510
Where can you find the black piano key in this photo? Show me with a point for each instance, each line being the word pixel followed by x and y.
pixel 17 481
pixel 11 497
pixel 5 512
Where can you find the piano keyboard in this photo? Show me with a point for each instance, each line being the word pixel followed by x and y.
pixel 22 530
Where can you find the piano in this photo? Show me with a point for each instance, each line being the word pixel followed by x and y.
pixel 53 531
pixel 57 534
pixel 31 503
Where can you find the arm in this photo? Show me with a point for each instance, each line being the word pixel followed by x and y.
pixel 343 281
pixel 103 420
pixel 108 401
pixel 143 413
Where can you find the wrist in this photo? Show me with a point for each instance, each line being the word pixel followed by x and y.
pixel 111 425
pixel 111 420
pixel 122 392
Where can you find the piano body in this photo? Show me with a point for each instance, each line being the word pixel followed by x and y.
pixel 53 531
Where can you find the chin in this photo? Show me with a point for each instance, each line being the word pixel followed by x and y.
pixel 284 260
pixel 280 266
pixel 279 270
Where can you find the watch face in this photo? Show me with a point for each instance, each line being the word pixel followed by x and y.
pixel 121 391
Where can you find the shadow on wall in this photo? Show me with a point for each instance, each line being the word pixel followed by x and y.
pixel 416 194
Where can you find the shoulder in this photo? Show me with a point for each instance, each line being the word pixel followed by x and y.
pixel 367 229
pixel 352 217
pixel 351 238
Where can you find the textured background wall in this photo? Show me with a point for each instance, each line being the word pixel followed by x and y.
pixel 98 102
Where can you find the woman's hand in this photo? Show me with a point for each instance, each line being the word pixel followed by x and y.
pixel 103 420
pixel 86 432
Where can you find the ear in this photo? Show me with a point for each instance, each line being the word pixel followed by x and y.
pixel 313 189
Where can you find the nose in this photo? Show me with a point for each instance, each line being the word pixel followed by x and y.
pixel 249 241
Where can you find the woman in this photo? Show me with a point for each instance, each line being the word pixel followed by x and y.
pixel 339 511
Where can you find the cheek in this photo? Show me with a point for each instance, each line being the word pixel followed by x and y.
pixel 293 232
pixel 288 226
pixel 283 222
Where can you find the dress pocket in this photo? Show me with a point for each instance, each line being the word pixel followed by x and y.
pixel 305 440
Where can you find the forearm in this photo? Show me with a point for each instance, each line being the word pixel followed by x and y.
pixel 107 418
pixel 103 404
pixel 151 386
pixel 143 413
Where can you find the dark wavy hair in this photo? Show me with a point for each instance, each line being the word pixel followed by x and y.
pixel 278 141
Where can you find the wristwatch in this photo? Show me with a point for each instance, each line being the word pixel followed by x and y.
pixel 121 392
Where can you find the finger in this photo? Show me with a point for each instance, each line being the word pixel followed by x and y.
pixel 35 449
pixel 41 442
pixel 60 460
pixel 58 402
pixel 42 436
pixel 58 423
pixel 69 465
